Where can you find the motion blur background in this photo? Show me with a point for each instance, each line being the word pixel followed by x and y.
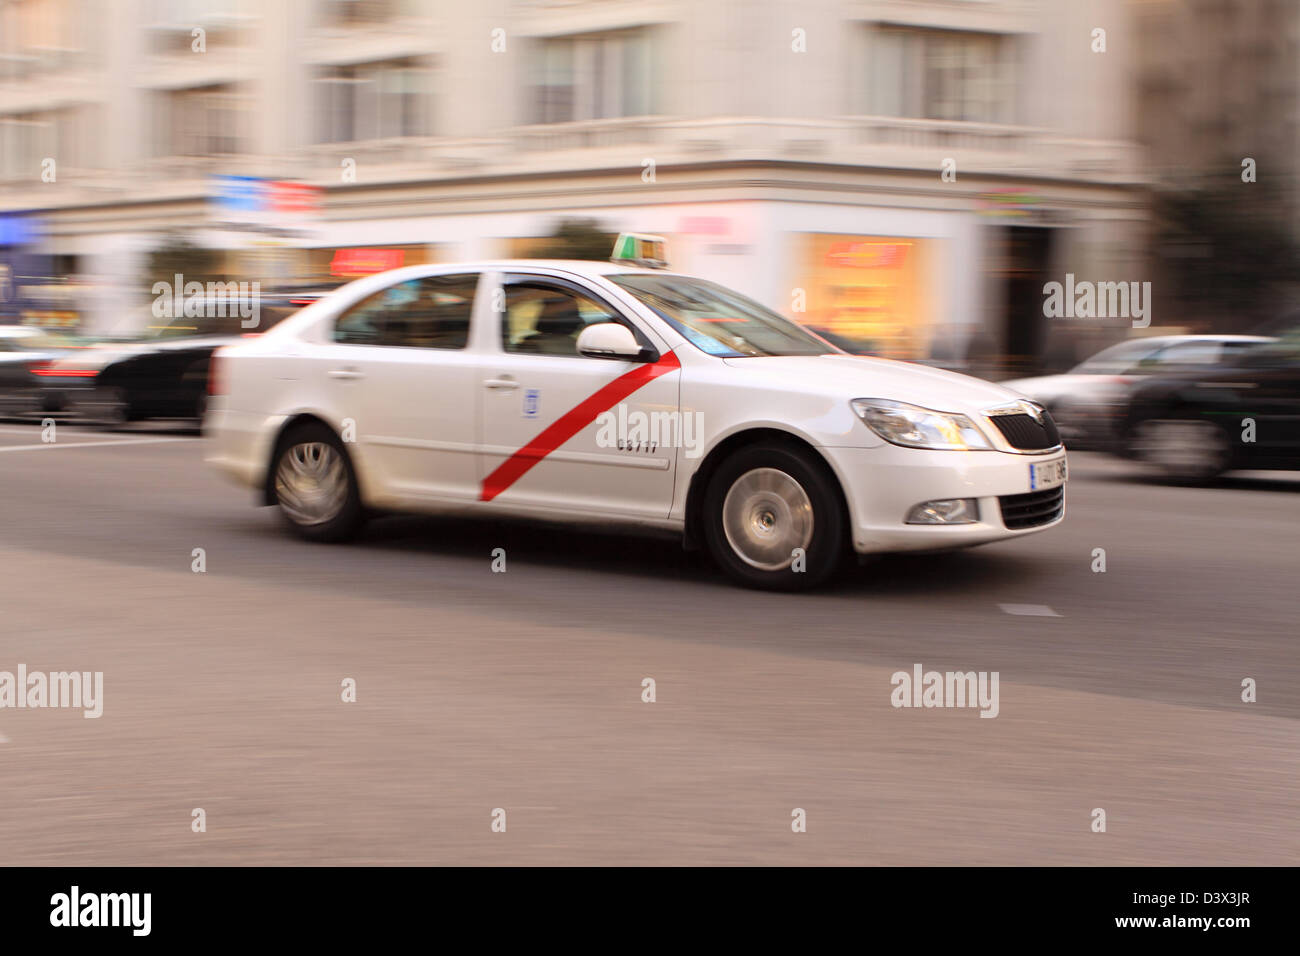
pixel 790 150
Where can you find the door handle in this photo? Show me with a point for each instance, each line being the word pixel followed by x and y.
pixel 345 373
pixel 505 382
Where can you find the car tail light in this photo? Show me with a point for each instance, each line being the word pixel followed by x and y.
pixel 216 384
pixel 49 369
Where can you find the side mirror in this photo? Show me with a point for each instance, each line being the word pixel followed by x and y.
pixel 609 340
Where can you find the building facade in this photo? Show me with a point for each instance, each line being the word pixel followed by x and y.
pixel 906 173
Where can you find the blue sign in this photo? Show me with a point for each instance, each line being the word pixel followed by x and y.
pixel 18 230
pixel 239 193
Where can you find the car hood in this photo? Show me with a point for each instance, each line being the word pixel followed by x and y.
pixel 856 376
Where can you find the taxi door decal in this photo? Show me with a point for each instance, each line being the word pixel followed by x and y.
pixel 572 422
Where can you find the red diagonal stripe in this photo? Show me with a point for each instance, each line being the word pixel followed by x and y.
pixel 572 422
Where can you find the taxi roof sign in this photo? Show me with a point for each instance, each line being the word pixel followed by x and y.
pixel 638 248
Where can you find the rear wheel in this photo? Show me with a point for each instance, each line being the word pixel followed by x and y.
pixel 773 518
pixel 1184 450
pixel 107 406
pixel 315 486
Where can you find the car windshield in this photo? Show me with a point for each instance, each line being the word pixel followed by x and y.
pixel 717 320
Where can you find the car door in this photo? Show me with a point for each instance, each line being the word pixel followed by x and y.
pixel 1274 396
pixel 398 372
pixel 561 430
pixel 170 382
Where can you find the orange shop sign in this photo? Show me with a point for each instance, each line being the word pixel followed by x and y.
pixel 364 262
pixel 867 255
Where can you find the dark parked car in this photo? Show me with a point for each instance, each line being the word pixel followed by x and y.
pixel 164 375
pixel 1195 426
pixel 1087 401
pixel 26 353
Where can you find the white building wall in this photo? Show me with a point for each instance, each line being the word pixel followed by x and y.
pixel 721 60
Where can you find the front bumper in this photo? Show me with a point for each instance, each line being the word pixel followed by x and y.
pixel 884 483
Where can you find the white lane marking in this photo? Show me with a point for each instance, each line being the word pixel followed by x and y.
pixel 94 444
pixel 1028 610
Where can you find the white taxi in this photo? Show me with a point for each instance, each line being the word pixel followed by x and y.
pixel 605 392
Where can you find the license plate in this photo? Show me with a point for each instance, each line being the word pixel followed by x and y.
pixel 1047 474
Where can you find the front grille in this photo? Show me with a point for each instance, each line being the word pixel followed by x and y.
pixel 1026 434
pixel 1034 509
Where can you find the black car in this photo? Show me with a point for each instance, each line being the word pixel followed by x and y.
pixel 164 375
pixel 1194 426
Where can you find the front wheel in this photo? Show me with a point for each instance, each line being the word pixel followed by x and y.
pixel 1184 450
pixel 315 485
pixel 774 518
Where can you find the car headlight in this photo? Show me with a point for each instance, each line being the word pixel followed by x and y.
pixel 916 427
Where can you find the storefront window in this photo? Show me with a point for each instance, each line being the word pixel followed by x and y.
pixel 869 294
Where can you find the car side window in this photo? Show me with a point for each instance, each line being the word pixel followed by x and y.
pixel 432 312
pixel 1284 353
pixel 546 319
pixel 1139 362
pixel 1118 358
pixel 1233 350
pixel 1190 353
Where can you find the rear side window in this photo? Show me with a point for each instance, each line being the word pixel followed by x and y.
pixel 429 313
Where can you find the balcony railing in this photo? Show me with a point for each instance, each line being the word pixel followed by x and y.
pixel 861 141
pixel 856 140
pixel 588 134
pixel 992 148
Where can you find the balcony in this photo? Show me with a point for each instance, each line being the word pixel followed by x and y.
pixel 872 141
pixel 869 142
pixel 588 134
pixel 991 149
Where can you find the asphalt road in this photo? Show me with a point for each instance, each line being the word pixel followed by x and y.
pixel 522 690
